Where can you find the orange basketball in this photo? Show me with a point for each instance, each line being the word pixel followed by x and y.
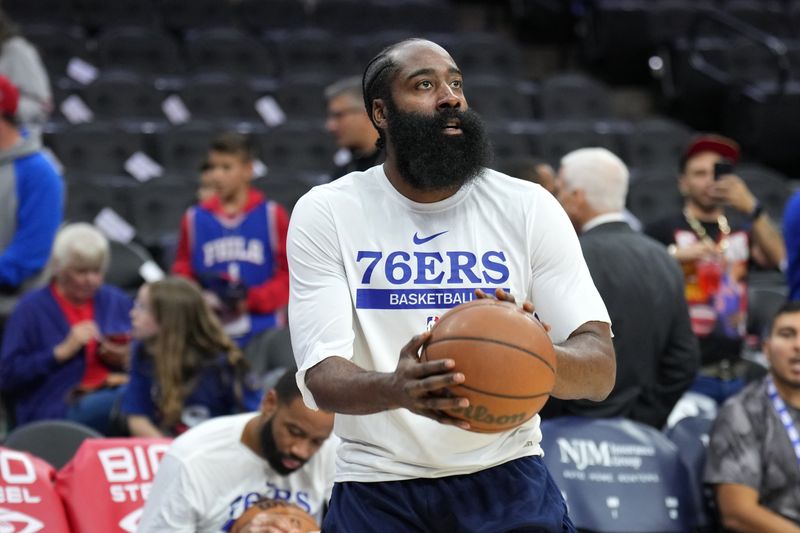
pixel 507 359
pixel 297 517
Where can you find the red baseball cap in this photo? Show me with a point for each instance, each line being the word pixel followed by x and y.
pixel 727 148
pixel 9 97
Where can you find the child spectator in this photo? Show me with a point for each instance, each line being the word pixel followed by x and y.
pixel 234 245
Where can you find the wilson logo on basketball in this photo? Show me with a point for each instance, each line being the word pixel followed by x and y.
pixel 480 413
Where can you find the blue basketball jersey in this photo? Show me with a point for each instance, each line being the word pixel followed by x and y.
pixel 241 248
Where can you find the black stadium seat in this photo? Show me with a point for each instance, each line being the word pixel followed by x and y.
pixel 98 148
pixel 180 15
pixel 349 16
pixel 55 441
pixel 573 96
pixel 83 202
pixel 482 53
pixel 652 198
pixel 498 99
pixel 302 97
pixel 138 48
pixel 216 95
pixel 259 15
pixel 229 50
pixel 565 136
pixel 270 351
pixel 656 143
pixel 124 268
pixel 57 12
pixel 770 187
pixel 96 14
pixel 769 16
pixel 182 149
pixel 419 16
pixel 298 147
pixel 157 208
pixel 124 95
pixel 508 144
pixel 313 51
pixel 58 45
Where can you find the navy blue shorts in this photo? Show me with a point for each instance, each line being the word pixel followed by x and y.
pixel 516 496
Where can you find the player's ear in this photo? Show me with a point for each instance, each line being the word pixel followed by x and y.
pixel 379 113
pixel 269 403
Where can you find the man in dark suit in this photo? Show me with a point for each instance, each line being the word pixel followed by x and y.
pixel 642 286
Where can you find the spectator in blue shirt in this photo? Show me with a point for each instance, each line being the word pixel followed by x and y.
pixel 31 198
pixel 185 369
pixel 791 236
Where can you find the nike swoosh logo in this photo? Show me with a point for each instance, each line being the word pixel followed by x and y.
pixel 423 240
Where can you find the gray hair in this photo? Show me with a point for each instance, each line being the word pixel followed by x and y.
pixel 80 243
pixel 601 174
pixel 346 86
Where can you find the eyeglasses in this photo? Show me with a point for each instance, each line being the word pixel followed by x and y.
pixel 339 115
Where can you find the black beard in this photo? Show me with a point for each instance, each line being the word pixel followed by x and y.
pixel 429 159
pixel 273 455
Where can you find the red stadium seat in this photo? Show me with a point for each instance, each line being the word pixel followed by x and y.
pixel 28 498
pixel 105 485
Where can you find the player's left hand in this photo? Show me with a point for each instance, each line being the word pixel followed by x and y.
pixel 504 296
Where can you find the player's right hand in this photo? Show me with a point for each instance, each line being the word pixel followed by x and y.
pixel 422 386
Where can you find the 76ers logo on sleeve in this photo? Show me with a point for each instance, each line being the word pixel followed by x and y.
pixel 432 320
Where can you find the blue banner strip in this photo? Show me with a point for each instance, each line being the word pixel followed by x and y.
pixel 417 298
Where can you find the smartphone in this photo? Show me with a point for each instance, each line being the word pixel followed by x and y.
pixel 119 338
pixel 722 168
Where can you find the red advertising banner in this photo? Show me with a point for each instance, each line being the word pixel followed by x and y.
pixel 106 483
pixel 29 502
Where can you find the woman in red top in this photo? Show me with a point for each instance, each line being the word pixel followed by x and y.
pixel 66 349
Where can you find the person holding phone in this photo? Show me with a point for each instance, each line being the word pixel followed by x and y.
pixel 66 346
pixel 722 225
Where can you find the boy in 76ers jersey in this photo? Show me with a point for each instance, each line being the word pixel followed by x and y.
pixel 234 244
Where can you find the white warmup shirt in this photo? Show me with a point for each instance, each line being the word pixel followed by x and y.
pixel 209 477
pixel 370 269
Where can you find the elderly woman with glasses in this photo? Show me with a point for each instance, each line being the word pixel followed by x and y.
pixel 66 346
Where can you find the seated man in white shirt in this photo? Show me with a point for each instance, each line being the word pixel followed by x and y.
pixel 215 471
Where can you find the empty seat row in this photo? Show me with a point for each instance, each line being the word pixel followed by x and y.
pixel 180 15
pixel 126 95
pixel 155 208
pixel 103 148
pixel 272 53
pixel 624 34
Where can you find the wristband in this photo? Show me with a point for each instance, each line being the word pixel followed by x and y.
pixel 757 211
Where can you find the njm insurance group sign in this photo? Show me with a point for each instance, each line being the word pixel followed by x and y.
pixel 617 476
